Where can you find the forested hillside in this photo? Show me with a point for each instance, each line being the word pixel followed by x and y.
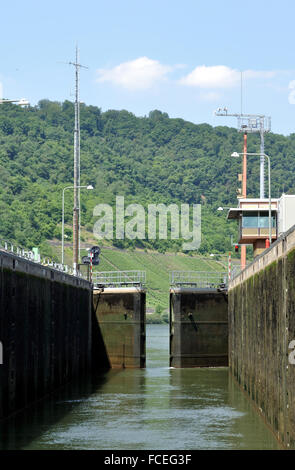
pixel 148 160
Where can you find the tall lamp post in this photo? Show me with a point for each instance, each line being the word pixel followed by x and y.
pixel 89 187
pixel 21 102
pixel 237 155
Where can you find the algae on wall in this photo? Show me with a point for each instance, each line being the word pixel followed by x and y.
pixel 45 329
pixel 261 325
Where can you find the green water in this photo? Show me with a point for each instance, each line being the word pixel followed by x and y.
pixel 155 408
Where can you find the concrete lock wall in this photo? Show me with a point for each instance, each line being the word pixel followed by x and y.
pixel 198 327
pixel 120 313
pixel 45 331
pixel 261 328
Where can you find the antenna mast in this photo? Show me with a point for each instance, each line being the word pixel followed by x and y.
pixel 241 92
pixel 76 209
pixel 250 124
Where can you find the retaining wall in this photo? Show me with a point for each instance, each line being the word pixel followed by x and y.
pixel 261 328
pixel 45 331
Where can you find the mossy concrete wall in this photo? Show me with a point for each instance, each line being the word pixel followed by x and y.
pixel 45 331
pixel 261 327
pixel 198 328
pixel 120 314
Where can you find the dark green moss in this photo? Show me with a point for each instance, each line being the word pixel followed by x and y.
pixel 262 319
pixel 45 330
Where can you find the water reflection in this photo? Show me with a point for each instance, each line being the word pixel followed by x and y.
pixel 155 408
pixel 213 413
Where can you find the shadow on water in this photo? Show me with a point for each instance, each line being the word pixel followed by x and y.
pixel 25 426
pixel 17 431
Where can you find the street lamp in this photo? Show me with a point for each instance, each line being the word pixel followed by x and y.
pixel 220 209
pixel 89 187
pixel 237 155
pixel 21 102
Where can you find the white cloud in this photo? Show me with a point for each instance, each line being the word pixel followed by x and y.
pixel 216 76
pixel 221 76
pixel 138 74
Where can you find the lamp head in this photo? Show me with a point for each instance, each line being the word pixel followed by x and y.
pixel 23 102
pixel 235 155
pixel 90 186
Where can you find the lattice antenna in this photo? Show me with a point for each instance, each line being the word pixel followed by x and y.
pixel 250 124
pixel 76 210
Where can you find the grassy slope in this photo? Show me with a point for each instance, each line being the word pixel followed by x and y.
pixel 157 267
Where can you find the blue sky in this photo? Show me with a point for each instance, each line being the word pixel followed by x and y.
pixel 182 57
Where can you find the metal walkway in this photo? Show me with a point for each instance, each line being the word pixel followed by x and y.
pixel 211 279
pixel 119 278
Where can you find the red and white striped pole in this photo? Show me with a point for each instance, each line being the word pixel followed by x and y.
pixel 229 266
pixel 91 256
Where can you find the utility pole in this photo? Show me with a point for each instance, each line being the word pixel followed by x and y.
pixel 244 193
pixel 262 131
pixel 76 209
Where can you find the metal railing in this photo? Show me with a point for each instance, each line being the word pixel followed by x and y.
pixel 256 232
pixel 236 270
pixel 212 279
pixel 119 278
pixel 17 250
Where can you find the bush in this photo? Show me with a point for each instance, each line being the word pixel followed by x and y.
pixel 158 310
pixel 165 317
pixel 154 318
